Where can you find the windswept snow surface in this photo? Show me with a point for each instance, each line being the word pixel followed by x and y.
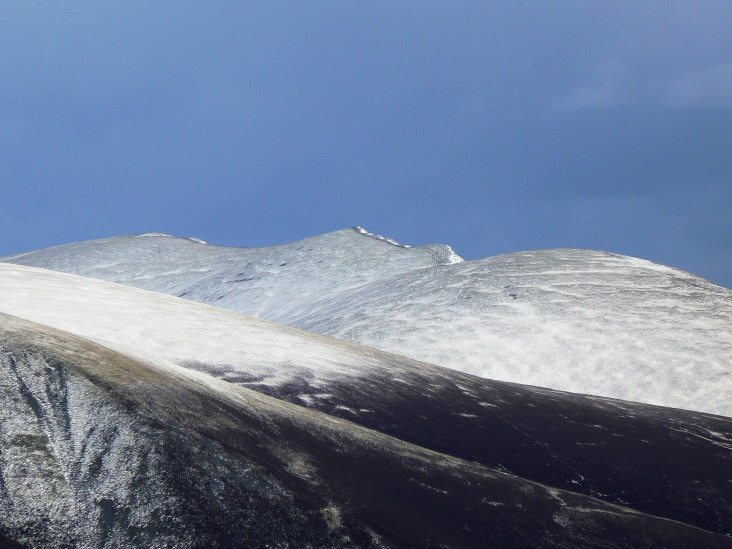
pixel 160 326
pixel 576 320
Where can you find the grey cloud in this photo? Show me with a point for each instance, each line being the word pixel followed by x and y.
pixel 707 87
pixel 711 87
pixel 587 98
pixel 609 86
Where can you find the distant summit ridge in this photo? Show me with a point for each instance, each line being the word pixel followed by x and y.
pixel 166 235
pixel 363 231
pixel 576 320
pixel 443 254
pixel 154 234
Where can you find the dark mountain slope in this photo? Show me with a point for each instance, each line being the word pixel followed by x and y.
pixel 100 449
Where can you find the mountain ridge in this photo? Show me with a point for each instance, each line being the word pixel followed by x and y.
pixel 592 446
pixel 290 457
pixel 574 320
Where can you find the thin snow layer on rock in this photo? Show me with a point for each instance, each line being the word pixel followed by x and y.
pixel 102 449
pixel 575 320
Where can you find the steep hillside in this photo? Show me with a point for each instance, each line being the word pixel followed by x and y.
pixel 104 450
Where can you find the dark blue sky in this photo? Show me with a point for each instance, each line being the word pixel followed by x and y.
pixel 492 127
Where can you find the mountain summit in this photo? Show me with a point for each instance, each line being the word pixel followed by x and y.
pixel 576 320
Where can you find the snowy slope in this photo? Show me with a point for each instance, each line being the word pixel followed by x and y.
pixel 575 320
pixel 101 449
pixel 605 449
pixel 277 278
pixel 159 326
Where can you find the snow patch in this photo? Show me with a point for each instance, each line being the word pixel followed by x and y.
pixel 651 266
pixel 364 232
pixel 452 257
pixel 154 234
pixel 346 409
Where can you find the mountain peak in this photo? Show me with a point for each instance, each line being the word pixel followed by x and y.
pixel 577 320
pixel 393 242
pixel 166 235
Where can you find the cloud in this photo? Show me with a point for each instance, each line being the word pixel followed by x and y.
pixel 587 98
pixel 711 87
pixel 611 86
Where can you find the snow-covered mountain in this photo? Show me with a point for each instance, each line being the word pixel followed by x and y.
pixel 104 450
pixel 127 418
pixel 565 440
pixel 575 320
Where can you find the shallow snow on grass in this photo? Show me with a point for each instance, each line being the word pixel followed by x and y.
pixel 159 326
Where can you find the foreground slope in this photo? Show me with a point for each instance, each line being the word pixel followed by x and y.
pixel 670 463
pixel 576 320
pixel 104 450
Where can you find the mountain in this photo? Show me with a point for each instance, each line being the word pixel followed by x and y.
pixel 104 450
pixel 116 402
pixel 576 320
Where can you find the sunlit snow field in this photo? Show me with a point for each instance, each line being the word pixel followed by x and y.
pixel 575 320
